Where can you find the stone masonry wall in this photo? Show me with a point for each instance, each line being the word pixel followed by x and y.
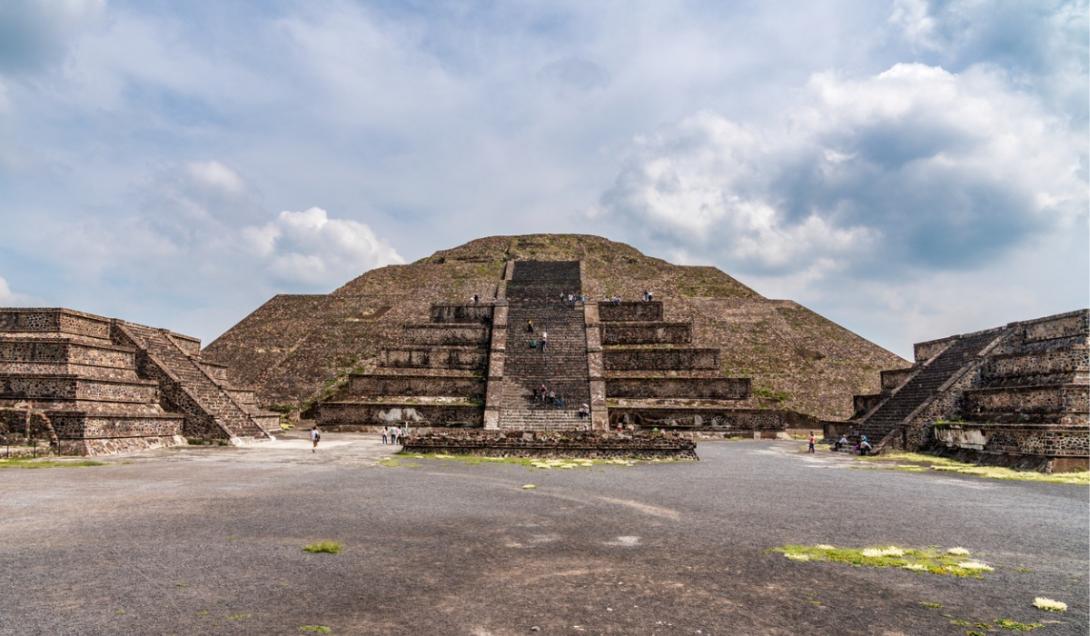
pixel 629 311
pixel 694 388
pixel 69 388
pixel 1060 326
pixel 346 415
pixel 647 333
pixel 725 420
pixel 1034 368
pixel 1053 441
pixel 53 321
pixel 446 334
pixel 864 403
pixel 924 351
pixel 553 444
pixel 461 386
pixel 1063 403
pixel 447 313
pixel 434 358
pixel 893 378
pixel 660 359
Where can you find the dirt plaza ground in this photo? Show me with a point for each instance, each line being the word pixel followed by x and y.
pixel 204 540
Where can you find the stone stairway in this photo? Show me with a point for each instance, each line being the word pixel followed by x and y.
pixel 534 293
pixel 188 385
pixel 891 413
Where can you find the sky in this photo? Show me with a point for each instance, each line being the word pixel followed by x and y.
pixel 909 169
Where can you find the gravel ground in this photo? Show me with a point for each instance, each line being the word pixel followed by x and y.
pixel 209 541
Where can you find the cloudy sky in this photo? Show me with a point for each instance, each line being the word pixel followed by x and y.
pixel 909 169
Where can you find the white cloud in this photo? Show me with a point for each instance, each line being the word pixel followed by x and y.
pixel 914 18
pixel 215 176
pixel 311 248
pixel 913 165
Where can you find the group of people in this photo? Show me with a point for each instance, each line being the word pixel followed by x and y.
pixel 547 397
pixel 391 434
pixel 862 448
pixel 571 299
pixel 534 342
pixel 648 296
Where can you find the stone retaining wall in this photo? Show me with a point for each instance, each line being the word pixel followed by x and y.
pixel 691 388
pixel 1067 325
pixel 621 333
pixel 553 444
pixel 660 359
pixel 72 388
pixel 1063 403
pixel 893 378
pixel 425 334
pixel 1032 368
pixel 629 311
pixel 461 313
pixel 1015 440
pixel 344 415
pixel 462 386
pixel 725 420
pixel 435 358
pixel 54 320
pixel 864 403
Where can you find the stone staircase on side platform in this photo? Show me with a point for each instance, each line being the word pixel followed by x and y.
pixel 187 386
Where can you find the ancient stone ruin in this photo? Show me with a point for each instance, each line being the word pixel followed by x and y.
pixel 76 383
pixel 407 345
pixel 611 364
pixel 1017 394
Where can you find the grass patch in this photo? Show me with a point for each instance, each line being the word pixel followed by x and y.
pixel 315 629
pixel 1015 626
pixel 930 605
pixel 921 462
pixel 324 547
pixel 238 617
pixel 928 560
pixel 48 463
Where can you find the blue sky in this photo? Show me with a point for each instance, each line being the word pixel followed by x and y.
pixel 909 169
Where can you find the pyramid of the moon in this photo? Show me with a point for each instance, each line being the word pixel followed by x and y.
pixel 410 339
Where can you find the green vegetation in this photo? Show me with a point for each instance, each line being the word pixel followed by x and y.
pixel 238 617
pixel 921 462
pixel 315 629
pixel 1015 626
pixel 770 394
pixel 324 547
pixel 22 462
pixel 930 605
pixel 927 560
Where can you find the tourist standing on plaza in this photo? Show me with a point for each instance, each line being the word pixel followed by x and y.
pixel 315 437
pixel 385 434
pixel 812 439
pixel 544 340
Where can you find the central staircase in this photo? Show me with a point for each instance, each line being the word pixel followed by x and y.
pixel 538 292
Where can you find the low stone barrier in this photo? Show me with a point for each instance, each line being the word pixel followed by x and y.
pixel 590 444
